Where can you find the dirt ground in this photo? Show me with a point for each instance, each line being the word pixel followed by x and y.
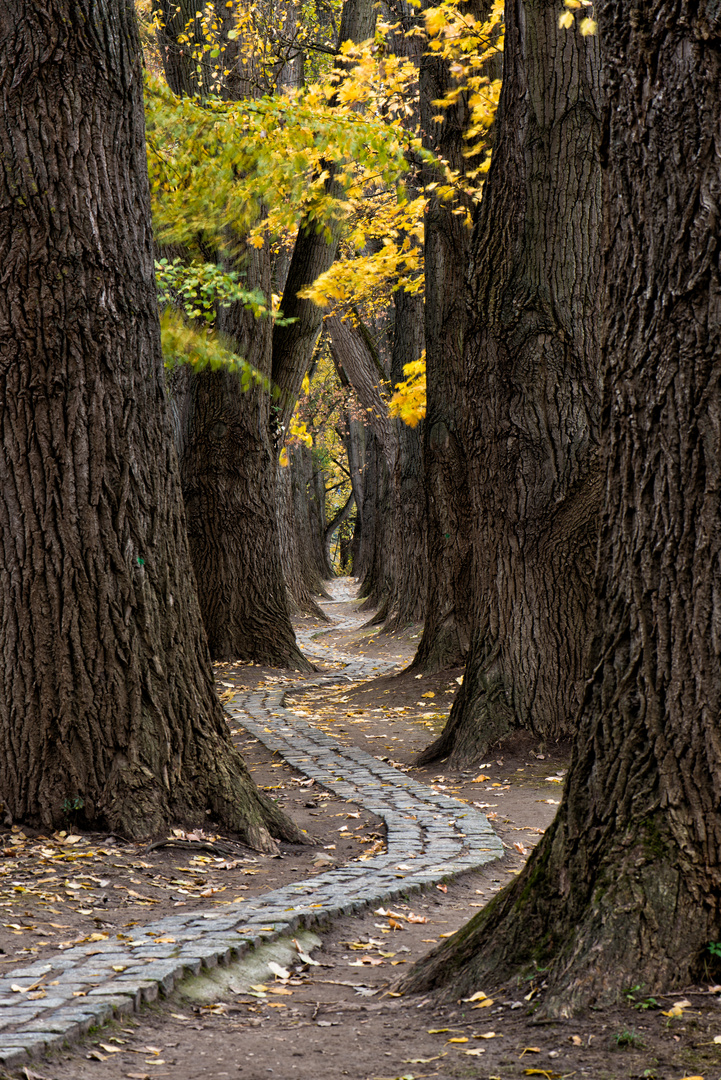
pixel 335 1017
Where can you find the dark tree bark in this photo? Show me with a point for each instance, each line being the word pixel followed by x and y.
pixel 625 887
pixel 107 692
pixel 532 393
pixel 302 531
pixel 447 628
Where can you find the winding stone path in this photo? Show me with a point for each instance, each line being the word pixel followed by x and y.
pixel 430 838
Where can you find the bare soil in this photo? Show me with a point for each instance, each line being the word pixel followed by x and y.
pixel 337 1018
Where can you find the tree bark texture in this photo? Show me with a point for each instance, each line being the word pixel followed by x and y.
pixel 532 392
pixel 107 692
pixel 625 887
pixel 301 532
pixel 405 602
pixel 447 627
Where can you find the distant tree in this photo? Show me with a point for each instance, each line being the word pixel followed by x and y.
pixel 625 886
pixel 107 698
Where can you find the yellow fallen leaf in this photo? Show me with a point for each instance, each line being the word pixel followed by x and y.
pixel 449 934
pixel 476 1052
pixel 279 990
pixel 673 1012
pixel 429 693
pixel 478 996
pixel 463 1040
pixel 483 1004
pixel 488 1035
pixel 542 1072
pixel 479 779
pixel 110 1049
pixel 119 967
pixel 438 1031
pixel 97 937
pixel 164 941
pixel 530 1050
pixel 692 1078
pixel 277 1005
pixel 72 839
pixel 576 1040
pixel 717 1038
pixel 682 1004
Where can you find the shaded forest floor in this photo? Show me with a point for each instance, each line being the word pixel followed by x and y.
pixel 335 1018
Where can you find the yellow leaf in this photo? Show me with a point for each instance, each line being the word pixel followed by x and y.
pixel 463 1040
pixel 438 1031
pixel 428 693
pixel 488 1035
pixel 478 996
pixel 565 21
pixel 111 1049
pixel 588 27
pixel 480 778
pixel 483 1004
pixel 283 458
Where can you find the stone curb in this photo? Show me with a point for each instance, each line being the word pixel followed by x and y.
pixel 93 983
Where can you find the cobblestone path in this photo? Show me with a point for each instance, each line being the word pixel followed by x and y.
pixel 430 838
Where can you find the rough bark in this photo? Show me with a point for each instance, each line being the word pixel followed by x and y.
pixel 302 531
pixel 625 887
pixel 107 692
pixel 408 578
pixel 532 392
pixel 447 628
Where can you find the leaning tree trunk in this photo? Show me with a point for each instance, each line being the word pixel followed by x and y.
pixel 107 693
pixel 532 393
pixel 625 887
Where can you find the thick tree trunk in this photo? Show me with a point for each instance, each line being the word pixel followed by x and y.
pixel 625 887
pixel 447 628
pixel 532 392
pixel 302 532
pixel 107 692
pixel 406 600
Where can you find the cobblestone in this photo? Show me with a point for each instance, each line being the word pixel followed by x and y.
pixel 446 839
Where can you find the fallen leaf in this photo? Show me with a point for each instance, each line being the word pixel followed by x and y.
pixel 488 1035
pixel 674 1012
pixel 483 1004
pixel 480 779
pixel 476 1052
pixel 542 1072
pixel 438 1031
pixel 416 918
pixel 520 848
pixel 462 1040
pixel 95 1055
pixel 449 934
pixel 428 693
pixel 717 1038
pixel 478 996
pixel 110 1049
pixel 280 972
pixel 442 888
pixel 682 1004
pixel 576 1040
pixel 530 1050
pixel 165 940
pixel 279 990
pixel 72 839
pixel 421 1061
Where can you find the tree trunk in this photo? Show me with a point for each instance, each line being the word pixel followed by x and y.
pixel 625 887
pixel 107 692
pixel 406 600
pixel 532 393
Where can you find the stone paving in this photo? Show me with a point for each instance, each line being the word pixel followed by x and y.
pixel 430 838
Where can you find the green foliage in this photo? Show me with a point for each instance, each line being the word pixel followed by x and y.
pixel 628 1037
pixel 714 947
pixel 203 347
pixel 199 289
pixel 634 997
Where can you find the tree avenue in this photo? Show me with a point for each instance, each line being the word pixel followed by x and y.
pixel 625 886
pixel 107 696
